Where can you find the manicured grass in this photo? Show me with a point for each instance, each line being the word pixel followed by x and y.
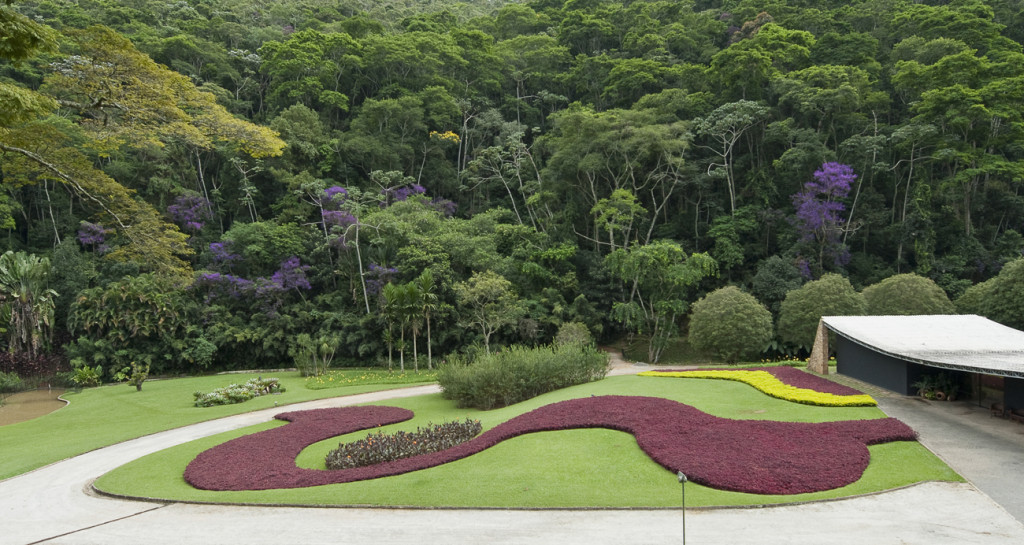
pixel 552 469
pixel 98 417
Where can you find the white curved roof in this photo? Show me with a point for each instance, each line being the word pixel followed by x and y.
pixel 964 342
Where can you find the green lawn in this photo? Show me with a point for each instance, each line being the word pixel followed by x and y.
pixel 98 417
pixel 572 468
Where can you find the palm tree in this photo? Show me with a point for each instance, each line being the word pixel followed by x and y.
pixel 412 300
pixel 25 301
pixel 428 303
pixel 390 311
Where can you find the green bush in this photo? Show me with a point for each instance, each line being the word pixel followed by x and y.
pixel 974 298
pixel 237 393
pixel 86 376
pixel 573 333
pixel 313 356
pixel 381 447
pixel 731 323
pixel 1000 298
pixel 150 319
pixel 519 373
pixel 906 294
pixel 775 278
pixel 11 382
pixel 831 295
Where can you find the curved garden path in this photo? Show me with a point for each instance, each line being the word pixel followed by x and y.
pixel 55 505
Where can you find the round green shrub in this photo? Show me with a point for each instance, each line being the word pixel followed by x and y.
pixel 1000 298
pixel 731 323
pixel 775 278
pixel 907 294
pixel 974 298
pixel 831 295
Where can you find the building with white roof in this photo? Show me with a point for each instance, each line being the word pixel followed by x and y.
pixel 894 352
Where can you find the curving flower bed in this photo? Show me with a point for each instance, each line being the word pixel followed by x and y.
pixel 755 456
pixel 784 383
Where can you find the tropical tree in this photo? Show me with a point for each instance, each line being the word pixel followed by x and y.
pixel 659 277
pixel 26 304
pixel 428 304
pixel 488 302
pixel 818 209
pixel 725 126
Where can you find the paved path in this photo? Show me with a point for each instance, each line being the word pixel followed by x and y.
pixel 987 451
pixel 53 505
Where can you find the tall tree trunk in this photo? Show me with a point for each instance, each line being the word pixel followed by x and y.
pixel 430 363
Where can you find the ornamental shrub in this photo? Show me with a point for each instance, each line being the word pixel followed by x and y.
pixel 907 294
pixel 1000 298
pixel 381 447
pixel 237 393
pixel 519 373
pixel 731 323
pixel 974 298
pixel 831 295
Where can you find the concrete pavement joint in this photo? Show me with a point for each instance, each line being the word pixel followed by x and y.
pixel 111 521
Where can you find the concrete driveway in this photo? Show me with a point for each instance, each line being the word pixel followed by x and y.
pixel 54 505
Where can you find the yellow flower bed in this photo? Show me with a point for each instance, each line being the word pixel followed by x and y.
pixel 767 383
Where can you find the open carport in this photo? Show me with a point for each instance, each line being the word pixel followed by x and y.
pixel 895 352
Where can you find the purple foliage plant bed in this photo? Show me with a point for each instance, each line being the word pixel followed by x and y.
pixel 791 376
pixel 754 456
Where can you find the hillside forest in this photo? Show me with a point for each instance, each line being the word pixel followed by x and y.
pixel 206 185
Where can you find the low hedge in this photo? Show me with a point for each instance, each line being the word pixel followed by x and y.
pixel 520 373
pixel 783 383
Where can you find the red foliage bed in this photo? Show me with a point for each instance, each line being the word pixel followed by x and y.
pixel 755 456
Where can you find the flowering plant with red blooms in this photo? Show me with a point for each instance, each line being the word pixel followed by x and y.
pixel 754 456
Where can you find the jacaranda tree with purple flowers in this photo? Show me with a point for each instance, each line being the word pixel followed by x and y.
pixel 819 210
pixel 191 212
pixel 93 235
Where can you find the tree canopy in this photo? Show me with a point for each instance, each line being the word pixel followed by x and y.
pixel 611 161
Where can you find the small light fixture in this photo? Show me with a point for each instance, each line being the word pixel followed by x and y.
pixel 682 481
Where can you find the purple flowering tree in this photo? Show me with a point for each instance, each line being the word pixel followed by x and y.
pixel 819 211
pixel 93 235
pixel 223 255
pixel 191 212
pixel 269 292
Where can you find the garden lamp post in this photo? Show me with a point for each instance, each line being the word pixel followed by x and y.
pixel 682 481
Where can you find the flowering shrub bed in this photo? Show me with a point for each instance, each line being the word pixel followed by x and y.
pixel 754 456
pixel 237 393
pixel 784 383
pixel 383 447
pixel 348 377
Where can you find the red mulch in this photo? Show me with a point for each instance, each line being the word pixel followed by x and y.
pixel 755 456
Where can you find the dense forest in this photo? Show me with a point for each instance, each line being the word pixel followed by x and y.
pixel 216 184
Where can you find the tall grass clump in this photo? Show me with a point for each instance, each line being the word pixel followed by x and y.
pixel 519 373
